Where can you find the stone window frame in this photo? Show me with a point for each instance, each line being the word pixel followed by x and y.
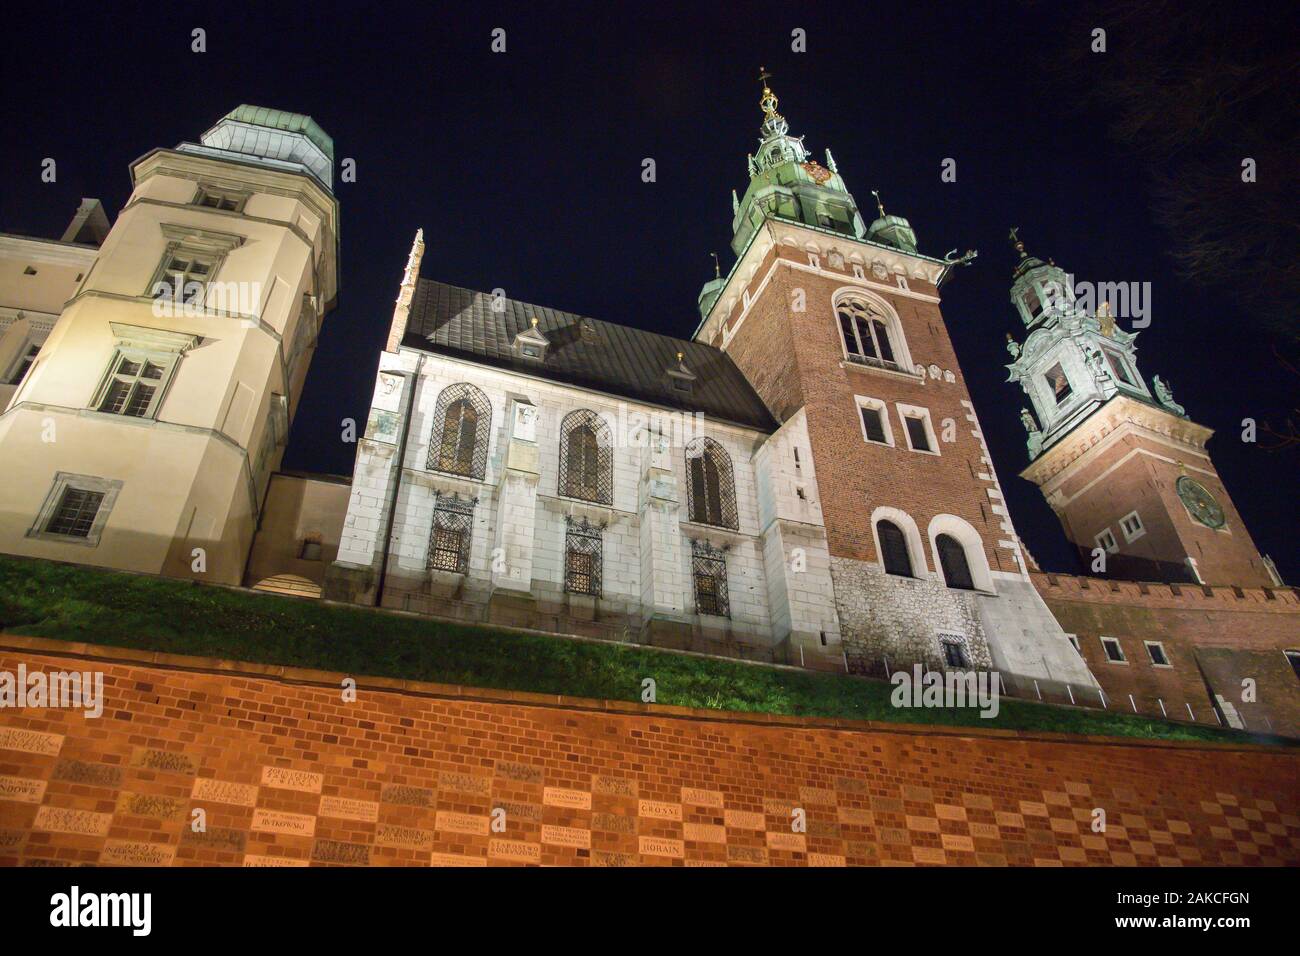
pixel 23 362
pixel 1075 643
pixel 709 562
pixel 195 244
pixel 454 515
pixel 1138 532
pixel 944 639
pixel 699 449
pixel 569 484
pixel 972 544
pixel 140 345
pixel 879 310
pixel 1106 534
pixel 882 408
pixel 477 466
pixel 1106 643
pixel 911 534
pixel 1163 653
pixel 918 413
pixel 584 539
pixel 237 198
pixel 64 481
pixel 1292 657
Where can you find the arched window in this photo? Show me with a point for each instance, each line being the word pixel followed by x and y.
pixel 458 443
pixel 952 558
pixel 710 485
pixel 893 549
pixel 586 458
pixel 865 331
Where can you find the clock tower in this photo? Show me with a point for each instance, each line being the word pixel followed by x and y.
pixel 1118 460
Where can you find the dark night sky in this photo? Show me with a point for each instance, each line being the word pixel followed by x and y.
pixel 524 170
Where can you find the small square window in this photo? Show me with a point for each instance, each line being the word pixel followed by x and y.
pixel 1114 653
pixel 76 509
pixel 873 425
pixel 1156 651
pixel 1132 527
pixel 29 271
pixel 954 650
pixel 1106 541
pixel 1293 658
pixel 76 512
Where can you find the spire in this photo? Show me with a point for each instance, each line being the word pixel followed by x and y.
pixel 406 292
pixel 879 205
pixel 717 267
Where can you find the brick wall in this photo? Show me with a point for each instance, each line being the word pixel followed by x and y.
pixel 288 774
pixel 1213 637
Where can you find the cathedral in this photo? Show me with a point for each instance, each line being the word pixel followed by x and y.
pixel 802 481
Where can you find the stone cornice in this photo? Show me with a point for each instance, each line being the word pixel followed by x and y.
pixel 49 251
pixel 1120 414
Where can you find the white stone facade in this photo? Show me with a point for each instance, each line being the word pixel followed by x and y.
pixel 781 600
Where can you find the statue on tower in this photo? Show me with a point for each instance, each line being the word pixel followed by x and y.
pixel 1166 396
pixel 1035 439
pixel 1013 346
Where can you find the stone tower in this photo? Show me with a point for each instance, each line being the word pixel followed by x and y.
pixel 145 432
pixel 839 319
pixel 1119 461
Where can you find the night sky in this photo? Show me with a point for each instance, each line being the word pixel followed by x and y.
pixel 524 170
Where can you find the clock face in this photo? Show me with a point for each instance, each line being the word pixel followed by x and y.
pixel 1200 503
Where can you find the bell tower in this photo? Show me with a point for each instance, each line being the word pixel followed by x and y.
pixel 835 322
pixel 1119 461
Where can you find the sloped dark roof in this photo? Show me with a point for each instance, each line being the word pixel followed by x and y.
pixel 598 355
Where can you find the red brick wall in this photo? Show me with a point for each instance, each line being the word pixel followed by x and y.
pixel 1213 641
pixel 410 775
pixel 853 476
pixel 1146 482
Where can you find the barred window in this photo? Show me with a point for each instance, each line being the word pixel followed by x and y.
pixel 462 420
pixel 449 539
pixel 709 569
pixel 583 558
pixel 954 650
pixel 710 484
pixel 586 458
pixel 75 513
pixel 893 549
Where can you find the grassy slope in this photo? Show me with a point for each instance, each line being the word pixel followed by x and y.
pixel 99 607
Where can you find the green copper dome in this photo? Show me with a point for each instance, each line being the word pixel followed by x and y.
pixel 282 120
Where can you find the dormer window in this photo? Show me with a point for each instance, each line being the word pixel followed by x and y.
pixel 680 378
pixel 1119 368
pixel 531 344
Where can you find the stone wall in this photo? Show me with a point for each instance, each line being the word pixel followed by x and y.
pixel 288 774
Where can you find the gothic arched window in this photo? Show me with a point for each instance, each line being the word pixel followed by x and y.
pixel 952 558
pixel 710 485
pixel 865 331
pixel 462 420
pixel 893 549
pixel 586 458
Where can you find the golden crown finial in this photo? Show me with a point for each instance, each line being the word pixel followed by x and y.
pixel 534 321
pixel 767 103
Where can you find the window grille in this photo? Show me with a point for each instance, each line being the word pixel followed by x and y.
pixel 710 485
pixel 462 420
pixel 583 558
pixel 586 458
pixel 449 539
pixel 709 569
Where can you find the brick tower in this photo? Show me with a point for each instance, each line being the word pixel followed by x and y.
pixel 1120 463
pixel 828 315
